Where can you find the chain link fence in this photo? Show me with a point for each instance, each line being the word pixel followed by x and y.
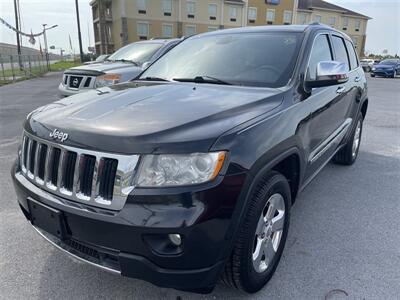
pixel 14 68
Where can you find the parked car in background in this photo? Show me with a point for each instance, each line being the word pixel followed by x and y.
pixel 367 64
pixel 99 59
pixel 386 68
pixel 125 64
pixel 189 172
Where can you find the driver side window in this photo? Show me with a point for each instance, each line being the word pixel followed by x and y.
pixel 321 51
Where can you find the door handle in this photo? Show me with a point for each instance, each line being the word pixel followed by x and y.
pixel 357 79
pixel 340 90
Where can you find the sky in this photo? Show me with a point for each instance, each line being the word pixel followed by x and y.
pixel 383 31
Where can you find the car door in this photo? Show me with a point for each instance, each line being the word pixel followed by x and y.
pixel 328 106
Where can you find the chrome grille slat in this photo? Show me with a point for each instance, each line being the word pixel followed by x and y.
pixel 90 177
pixel 36 166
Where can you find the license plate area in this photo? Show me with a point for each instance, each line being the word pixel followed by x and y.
pixel 47 218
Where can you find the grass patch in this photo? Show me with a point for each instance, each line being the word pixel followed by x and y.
pixel 63 65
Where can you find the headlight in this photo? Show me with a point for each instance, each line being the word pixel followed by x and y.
pixel 179 169
pixel 373 68
pixel 107 79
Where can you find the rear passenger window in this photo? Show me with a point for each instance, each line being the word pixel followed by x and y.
pixel 352 55
pixel 340 51
pixel 321 51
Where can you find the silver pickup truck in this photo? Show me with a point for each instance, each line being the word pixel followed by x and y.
pixel 125 64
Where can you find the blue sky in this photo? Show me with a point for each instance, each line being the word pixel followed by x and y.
pixel 383 31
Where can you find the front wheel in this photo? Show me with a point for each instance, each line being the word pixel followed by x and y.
pixel 348 154
pixel 262 235
pixel 372 75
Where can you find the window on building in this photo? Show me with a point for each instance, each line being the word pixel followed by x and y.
pixel 212 28
pixel 141 6
pixel 357 25
pixel 352 55
pixel 345 23
pixel 355 41
pixel 212 11
pixel 321 51
pixel 190 30
pixel 167 30
pixel 317 18
pixel 332 21
pixel 340 51
pixel 190 9
pixel 143 30
pixel 252 14
pixel 270 16
pixel 287 17
pixel 232 13
pixel 302 18
pixel 167 7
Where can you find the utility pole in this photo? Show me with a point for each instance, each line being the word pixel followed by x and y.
pixel 79 30
pixel 18 40
pixel 46 51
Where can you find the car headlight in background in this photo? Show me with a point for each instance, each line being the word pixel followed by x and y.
pixel 167 170
pixel 373 68
pixel 107 79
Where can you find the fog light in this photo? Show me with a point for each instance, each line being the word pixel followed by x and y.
pixel 175 239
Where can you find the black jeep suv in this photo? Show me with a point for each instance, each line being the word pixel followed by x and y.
pixel 188 173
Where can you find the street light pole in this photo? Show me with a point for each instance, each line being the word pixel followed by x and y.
pixel 79 30
pixel 46 50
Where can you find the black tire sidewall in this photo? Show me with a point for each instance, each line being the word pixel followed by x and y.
pixel 253 281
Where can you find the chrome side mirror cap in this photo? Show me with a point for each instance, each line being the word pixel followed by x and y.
pixel 145 65
pixel 329 73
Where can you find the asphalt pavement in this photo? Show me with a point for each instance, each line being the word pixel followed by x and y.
pixel 344 240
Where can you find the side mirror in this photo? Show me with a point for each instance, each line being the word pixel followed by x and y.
pixel 328 73
pixel 145 65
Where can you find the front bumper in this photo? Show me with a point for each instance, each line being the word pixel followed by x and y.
pixel 65 91
pixel 131 242
pixel 383 72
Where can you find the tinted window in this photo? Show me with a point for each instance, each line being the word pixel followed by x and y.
pixel 321 51
pixel 340 51
pixel 352 55
pixel 251 59
pixel 137 52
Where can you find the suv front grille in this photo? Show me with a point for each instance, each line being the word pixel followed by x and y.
pixel 95 178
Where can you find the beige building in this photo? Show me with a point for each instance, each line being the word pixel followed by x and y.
pixel 345 20
pixel 119 22
pixel 271 12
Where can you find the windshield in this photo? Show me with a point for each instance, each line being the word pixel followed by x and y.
pixel 250 59
pixel 101 57
pixel 136 52
pixel 389 62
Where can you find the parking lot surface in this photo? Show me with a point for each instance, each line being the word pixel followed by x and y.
pixel 344 240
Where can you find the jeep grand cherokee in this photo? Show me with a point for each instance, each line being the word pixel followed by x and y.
pixel 188 173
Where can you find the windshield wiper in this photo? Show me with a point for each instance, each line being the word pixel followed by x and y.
pixel 127 61
pixel 203 79
pixel 153 78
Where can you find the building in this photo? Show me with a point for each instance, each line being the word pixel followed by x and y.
pixel 119 22
pixel 345 20
pixel 271 12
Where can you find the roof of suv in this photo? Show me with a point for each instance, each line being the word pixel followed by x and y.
pixel 274 28
pixel 157 41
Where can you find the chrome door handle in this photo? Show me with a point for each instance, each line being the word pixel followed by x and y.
pixel 340 89
pixel 357 79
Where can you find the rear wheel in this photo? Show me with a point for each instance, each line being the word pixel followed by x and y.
pixel 262 235
pixel 348 154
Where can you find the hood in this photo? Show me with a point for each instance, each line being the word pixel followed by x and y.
pixel 155 118
pixel 105 67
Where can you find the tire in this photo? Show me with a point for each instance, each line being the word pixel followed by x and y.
pixel 247 267
pixel 372 75
pixel 348 154
pixel 394 75
pixel 368 69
